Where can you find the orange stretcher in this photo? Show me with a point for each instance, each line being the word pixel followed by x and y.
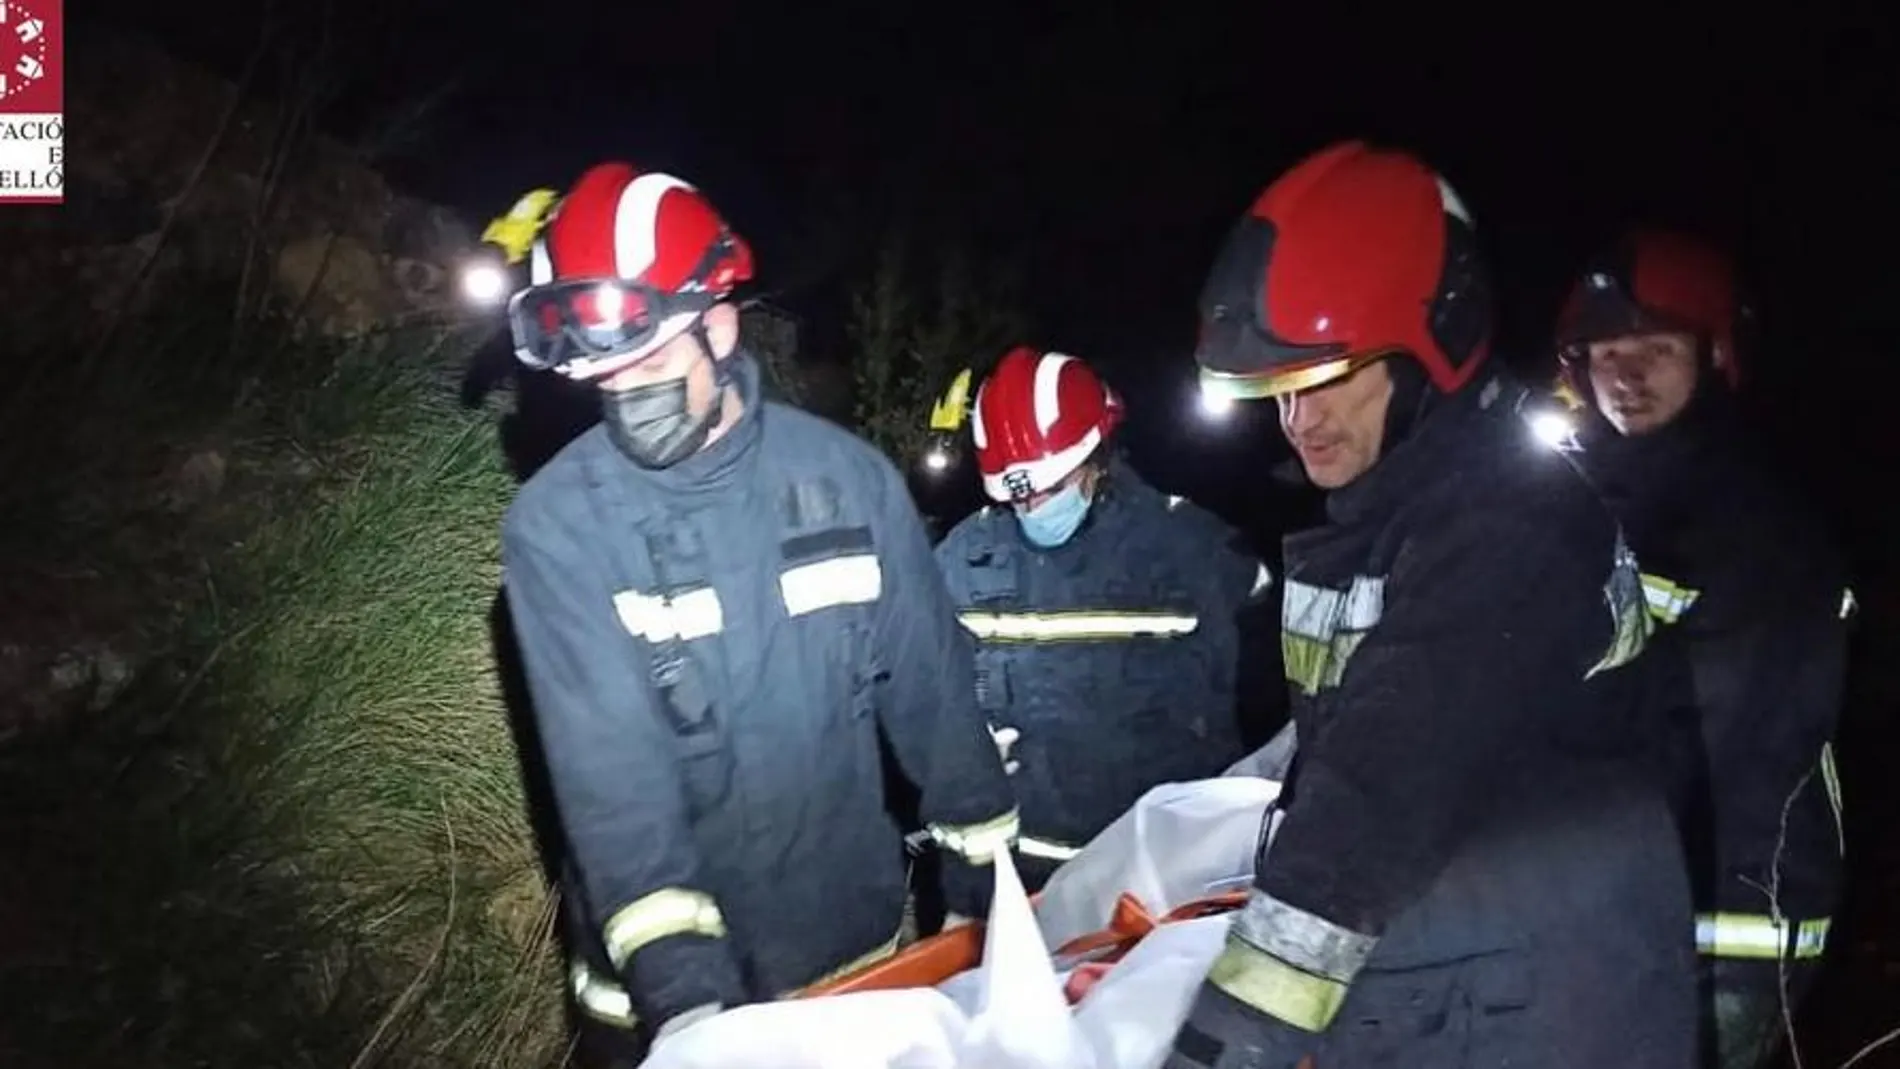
pixel 929 962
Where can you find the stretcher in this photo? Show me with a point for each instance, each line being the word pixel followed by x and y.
pixel 1097 971
pixel 1085 958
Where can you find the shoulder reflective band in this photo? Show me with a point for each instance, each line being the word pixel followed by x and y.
pixel 1047 849
pixel 1754 935
pixel 1849 606
pixel 668 911
pixel 1289 963
pixel 978 843
pixel 1075 626
pixel 1667 599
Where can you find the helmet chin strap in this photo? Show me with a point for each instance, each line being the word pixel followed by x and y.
pixel 1412 398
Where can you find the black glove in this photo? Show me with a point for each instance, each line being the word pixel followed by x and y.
pixel 967 888
pixel 1222 1032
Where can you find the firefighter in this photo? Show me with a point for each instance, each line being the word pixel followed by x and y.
pixel 1472 861
pixel 1652 339
pixel 722 604
pixel 1106 613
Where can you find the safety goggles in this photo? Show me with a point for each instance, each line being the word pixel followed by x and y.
pixel 569 325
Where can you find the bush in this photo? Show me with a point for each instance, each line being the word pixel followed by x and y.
pixel 298 837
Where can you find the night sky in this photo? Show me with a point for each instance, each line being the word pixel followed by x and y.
pixel 1104 152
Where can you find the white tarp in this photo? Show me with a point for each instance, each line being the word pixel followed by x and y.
pixel 1180 842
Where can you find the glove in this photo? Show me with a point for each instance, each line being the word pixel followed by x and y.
pixel 680 1022
pixel 1004 739
pixel 1222 1032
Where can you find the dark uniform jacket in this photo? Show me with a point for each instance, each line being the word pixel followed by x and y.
pixel 713 651
pixel 1113 656
pixel 1748 584
pixel 1472 860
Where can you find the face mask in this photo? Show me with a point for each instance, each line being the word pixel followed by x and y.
pixel 653 425
pixel 1055 521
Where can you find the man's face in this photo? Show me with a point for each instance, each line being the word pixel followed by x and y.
pixel 681 355
pixel 1642 381
pixel 1337 428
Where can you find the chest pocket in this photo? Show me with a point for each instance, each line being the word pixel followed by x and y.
pixel 829 583
pixel 993 585
pixel 1322 627
pixel 675 619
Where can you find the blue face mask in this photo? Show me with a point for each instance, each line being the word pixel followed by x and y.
pixel 1054 522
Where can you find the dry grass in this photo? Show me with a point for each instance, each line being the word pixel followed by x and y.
pixel 298 838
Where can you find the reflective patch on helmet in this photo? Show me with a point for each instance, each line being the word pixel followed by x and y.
pixel 1454 205
pixel 1321 628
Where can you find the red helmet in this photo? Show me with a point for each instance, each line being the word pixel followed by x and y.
pixel 627 261
pixel 1355 254
pixel 1036 419
pixel 1654 281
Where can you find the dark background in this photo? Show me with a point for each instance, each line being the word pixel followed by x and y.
pixel 1104 150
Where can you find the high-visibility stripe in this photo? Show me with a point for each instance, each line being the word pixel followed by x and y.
pixel 1831 781
pixel 1275 988
pixel 1849 606
pixel 666 912
pixel 690 614
pixel 857 579
pixel 603 999
pixel 599 997
pixel 1048 849
pixel 1304 940
pixel 1757 936
pixel 1075 626
pixel 1667 599
pixel 978 843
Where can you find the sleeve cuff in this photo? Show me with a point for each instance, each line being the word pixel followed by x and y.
pixel 1288 963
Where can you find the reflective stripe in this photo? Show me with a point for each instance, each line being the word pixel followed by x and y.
pixel 1321 629
pixel 1275 988
pixel 854 580
pixel 668 911
pixel 1074 626
pixel 1048 849
pixel 599 997
pixel 1667 599
pixel 692 614
pixel 603 999
pixel 1306 941
pixel 1754 935
pixel 1849 606
pixel 978 843
pixel 1831 780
